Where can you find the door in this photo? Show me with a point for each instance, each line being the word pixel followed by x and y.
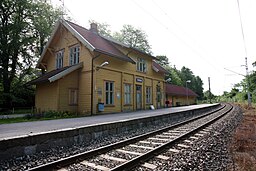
pixel 158 97
pixel 138 97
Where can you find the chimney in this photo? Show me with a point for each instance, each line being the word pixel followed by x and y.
pixel 94 28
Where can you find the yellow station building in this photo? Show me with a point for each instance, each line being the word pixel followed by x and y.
pixel 87 73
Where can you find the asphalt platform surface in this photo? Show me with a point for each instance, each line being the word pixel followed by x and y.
pixel 8 131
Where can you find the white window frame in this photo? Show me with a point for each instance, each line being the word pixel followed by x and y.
pixel 59 59
pixel 148 95
pixel 127 94
pixel 73 96
pixel 141 65
pixel 74 54
pixel 109 94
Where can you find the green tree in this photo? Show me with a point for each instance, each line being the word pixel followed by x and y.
pixel 44 16
pixel 173 73
pixel 15 38
pixel 198 87
pixel 162 60
pixel 195 84
pixel 133 37
pixel 22 28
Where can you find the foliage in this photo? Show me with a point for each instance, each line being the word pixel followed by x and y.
pixel 48 115
pixel 129 35
pixel 55 114
pixel 182 77
pixel 44 16
pixel 25 25
pixel 103 28
pixel 162 60
pixel 173 74
pixel 239 91
pixel 133 37
pixel 193 82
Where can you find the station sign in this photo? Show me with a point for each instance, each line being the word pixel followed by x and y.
pixel 139 80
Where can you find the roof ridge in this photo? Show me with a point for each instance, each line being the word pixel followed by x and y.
pixel 77 25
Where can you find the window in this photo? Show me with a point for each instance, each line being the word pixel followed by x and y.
pixel 59 59
pixel 73 96
pixel 148 95
pixel 74 53
pixel 109 90
pixel 127 93
pixel 141 65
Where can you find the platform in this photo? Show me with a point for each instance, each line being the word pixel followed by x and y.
pixel 28 138
pixel 13 130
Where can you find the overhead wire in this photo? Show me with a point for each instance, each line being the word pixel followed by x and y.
pixel 178 37
pixel 181 29
pixel 242 29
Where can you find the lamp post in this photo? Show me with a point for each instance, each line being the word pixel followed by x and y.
pixel 188 81
pixel 95 79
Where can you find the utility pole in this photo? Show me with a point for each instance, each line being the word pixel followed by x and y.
pixel 210 96
pixel 245 50
pixel 247 83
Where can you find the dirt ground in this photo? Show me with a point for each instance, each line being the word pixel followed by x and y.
pixel 243 146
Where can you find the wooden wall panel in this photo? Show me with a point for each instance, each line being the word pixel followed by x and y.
pixel 46 97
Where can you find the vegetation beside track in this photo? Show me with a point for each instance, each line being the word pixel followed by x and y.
pixel 49 115
pixel 243 147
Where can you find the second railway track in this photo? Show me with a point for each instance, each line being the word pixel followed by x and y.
pixel 135 151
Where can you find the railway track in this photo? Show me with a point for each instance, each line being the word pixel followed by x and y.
pixel 135 151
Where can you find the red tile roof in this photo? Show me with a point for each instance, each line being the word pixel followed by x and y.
pixel 178 90
pixel 99 43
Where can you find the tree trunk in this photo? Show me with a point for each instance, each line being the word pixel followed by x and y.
pixel 7 86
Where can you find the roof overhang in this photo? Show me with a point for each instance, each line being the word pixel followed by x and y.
pixel 78 36
pixel 65 72
pixel 155 68
pixel 126 58
pixel 48 43
pixel 73 32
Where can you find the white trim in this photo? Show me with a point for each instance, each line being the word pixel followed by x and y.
pixel 78 36
pixel 65 72
pixel 73 31
pixel 155 69
pixel 48 43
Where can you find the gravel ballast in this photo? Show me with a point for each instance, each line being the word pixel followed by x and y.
pixel 210 152
pixel 25 162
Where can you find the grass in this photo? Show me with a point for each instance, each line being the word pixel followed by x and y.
pixel 49 115
pixel 243 146
pixel 17 111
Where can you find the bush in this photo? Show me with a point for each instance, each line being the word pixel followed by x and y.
pixel 55 114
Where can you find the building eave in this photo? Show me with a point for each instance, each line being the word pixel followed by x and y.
pixel 65 72
pixel 48 43
pixel 73 31
pixel 78 36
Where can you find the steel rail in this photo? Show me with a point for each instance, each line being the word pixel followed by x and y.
pixel 88 154
pixel 140 159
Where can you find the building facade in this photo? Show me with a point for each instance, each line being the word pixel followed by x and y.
pixel 179 96
pixel 90 74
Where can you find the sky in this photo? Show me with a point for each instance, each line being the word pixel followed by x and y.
pixel 202 35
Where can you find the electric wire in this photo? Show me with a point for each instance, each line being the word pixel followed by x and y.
pixel 187 35
pixel 178 37
pixel 242 29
